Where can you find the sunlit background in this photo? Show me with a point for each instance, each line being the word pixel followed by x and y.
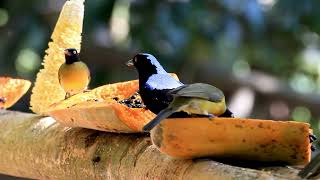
pixel 264 54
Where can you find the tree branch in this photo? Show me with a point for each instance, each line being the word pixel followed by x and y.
pixel 38 147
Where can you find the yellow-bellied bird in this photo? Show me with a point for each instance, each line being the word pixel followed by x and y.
pixel 194 99
pixel 74 75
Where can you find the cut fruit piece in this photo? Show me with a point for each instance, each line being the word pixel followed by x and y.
pixel 106 93
pixel 67 34
pixel 107 116
pixel 249 139
pixel 97 109
pixel 11 90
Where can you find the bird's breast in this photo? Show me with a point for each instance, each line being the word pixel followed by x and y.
pixel 75 77
pixel 201 106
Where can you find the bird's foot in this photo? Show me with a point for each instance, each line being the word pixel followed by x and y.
pixel 183 115
pixel 67 96
pixel 211 116
pixel 312 139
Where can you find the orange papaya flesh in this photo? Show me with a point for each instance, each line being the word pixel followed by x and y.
pixel 249 139
pixel 98 109
pixel 11 90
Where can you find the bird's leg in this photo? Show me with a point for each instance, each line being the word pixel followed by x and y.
pixel 67 95
pixel 87 89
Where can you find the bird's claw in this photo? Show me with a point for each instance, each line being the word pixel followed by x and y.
pixel 312 139
pixel 211 116
pixel 67 96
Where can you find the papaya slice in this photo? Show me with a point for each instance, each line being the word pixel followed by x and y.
pixel 66 34
pixel 100 109
pixel 11 90
pixel 249 139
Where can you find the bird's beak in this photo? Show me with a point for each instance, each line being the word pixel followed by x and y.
pixel 66 52
pixel 130 63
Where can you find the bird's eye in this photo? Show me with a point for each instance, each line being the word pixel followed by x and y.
pixel 74 52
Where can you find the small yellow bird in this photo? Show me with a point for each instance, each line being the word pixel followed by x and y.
pixel 194 99
pixel 74 75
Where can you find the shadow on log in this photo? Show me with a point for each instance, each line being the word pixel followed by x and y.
pixel 38 147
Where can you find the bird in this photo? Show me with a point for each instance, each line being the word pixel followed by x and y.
pixel 194 99
pixel 313 167
pixel 74 75
pixel 155 83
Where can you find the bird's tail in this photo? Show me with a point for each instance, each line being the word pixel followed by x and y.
pixel 227 113
pixel 160 116
pixel 312 168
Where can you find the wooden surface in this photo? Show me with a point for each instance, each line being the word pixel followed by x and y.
pixel 38 147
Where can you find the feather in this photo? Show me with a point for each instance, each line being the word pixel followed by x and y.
pixel 162 115
pixel 198 90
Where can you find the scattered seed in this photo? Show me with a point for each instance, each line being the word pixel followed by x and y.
pixel 133 101
pixel 127 101
pixel 133 97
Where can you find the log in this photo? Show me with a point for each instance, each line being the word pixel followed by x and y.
pixel 38 147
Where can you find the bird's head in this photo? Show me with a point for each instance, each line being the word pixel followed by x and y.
pixel 71 55
pixel 146 64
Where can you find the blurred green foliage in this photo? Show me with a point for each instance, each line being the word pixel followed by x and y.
pixel 276 37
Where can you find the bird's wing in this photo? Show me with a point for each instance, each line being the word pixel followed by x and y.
pixel 160 116
pixel 198 90
pixel 162 81
pixel 59 73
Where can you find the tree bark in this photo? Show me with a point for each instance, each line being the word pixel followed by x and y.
pixel 38 147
